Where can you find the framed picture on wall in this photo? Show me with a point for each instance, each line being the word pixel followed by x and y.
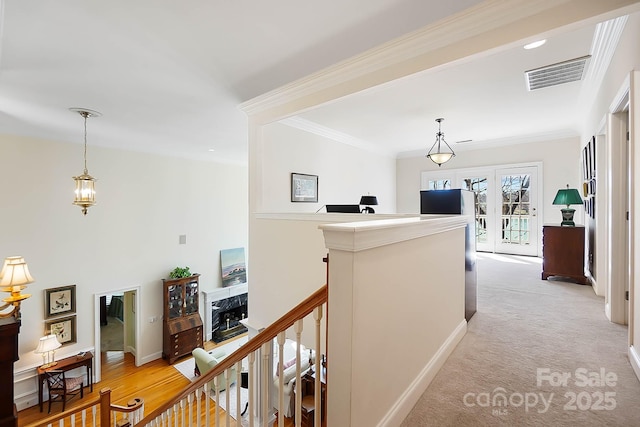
pixel 304 188
pixel 59 301
pixel 588 161
pixel 64 328
pixel 585 164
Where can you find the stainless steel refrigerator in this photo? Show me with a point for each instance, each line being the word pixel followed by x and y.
pixel 460 202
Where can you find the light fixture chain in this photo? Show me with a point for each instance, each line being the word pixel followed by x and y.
pixel 86 172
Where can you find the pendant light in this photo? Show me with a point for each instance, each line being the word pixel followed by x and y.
pixel 85 194
pixel 438 154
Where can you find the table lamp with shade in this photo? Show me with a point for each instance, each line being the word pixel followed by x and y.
pixel 368 201
pixel 48 346
pixel 567 196
pixel 14 278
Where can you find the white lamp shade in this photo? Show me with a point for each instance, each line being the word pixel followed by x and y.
pixel 47 343
pixel 440 158
pixel 15 272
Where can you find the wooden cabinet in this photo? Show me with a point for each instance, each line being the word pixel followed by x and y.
pixel 563 252
pixel 182 325
pixel 9 330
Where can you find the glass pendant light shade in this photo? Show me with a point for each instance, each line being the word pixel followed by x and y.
pixel 85 193
pixel 440 151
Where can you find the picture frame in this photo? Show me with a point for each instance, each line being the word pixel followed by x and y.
pixel 59 301
pixel 585 164
pixel 304 187
pixel 589 169
pixel 64 328
pixel 233 267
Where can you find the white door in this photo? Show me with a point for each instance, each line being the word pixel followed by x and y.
pixel 482 185
pixel 516 213
pixel 506 205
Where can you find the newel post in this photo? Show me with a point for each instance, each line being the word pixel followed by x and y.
pixel 105 406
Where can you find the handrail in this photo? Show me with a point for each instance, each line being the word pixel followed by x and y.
pixel 57 417
pixel 103 400
pixel 303 309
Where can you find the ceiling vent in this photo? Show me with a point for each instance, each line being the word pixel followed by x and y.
pixel 557 74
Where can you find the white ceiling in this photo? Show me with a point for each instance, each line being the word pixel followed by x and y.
pixel 168 76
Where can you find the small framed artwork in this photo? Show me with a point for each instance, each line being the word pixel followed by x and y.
pixel 59 301
pixel 233 267
pixel 304 188
pixel 64 328
pixel 585 164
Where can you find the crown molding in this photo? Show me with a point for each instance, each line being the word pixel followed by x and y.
pixel 480 28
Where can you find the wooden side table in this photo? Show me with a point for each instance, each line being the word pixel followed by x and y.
pixel 67 364
pixel 307 388
pixel 563 252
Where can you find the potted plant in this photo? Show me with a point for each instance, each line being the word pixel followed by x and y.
pixel 179 273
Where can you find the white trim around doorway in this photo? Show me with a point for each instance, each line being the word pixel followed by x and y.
pixel 97 369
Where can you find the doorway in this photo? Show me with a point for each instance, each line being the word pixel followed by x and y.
pixel 117 324
pixel 506 204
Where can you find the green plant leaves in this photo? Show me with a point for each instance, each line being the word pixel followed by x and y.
pixel 179 273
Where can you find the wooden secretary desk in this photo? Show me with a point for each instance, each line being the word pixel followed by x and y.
pixel 182 325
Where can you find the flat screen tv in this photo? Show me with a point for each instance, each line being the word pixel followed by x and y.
pixel 343 208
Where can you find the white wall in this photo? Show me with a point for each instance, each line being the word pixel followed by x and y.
pixel 385 276
pixel 625 59
pixel 130 238
pixel 287 256
pixel 560 159
pixel 344 172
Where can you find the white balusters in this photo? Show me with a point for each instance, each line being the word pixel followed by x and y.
pixel 298 328
pixel 265 380
pixel 281 339
pixel 252 362
pixel 317 315
pixel 217 388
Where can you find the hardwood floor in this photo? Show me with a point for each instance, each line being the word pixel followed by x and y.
pixel 155 382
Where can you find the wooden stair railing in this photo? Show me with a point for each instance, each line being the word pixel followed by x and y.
pixel 174 411
pixel 99 411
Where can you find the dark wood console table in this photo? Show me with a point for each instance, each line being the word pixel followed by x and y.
pixel 563 252
pixel 67 364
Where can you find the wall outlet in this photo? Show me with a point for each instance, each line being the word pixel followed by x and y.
pixel 182 239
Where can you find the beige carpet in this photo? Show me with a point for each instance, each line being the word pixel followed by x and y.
pixel 525 324
pixel 112 335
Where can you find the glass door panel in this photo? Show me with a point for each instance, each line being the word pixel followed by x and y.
pixel 191 298
pixel 484 228
pixel 175 301
pixel 517 221
pixel 439 184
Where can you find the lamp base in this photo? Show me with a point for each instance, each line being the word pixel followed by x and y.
pixel 567 217
pixel 48 365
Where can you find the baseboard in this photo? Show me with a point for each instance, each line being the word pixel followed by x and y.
pixel 407 400
pixel 150 358
pixel 634 359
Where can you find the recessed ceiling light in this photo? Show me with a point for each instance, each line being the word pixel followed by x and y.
pixel 535 44
pixel 211 150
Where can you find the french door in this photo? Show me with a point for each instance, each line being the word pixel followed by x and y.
pixel 516 216
pixel 506 205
